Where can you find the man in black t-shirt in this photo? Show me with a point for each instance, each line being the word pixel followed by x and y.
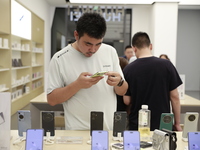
pixel 153 82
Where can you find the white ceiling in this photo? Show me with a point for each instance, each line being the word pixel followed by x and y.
pixel 57 2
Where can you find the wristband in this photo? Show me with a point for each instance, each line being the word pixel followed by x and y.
pixel 120 82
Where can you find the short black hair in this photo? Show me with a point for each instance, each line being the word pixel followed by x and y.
pixel 128 46
pixel 93 24
pixel 141 40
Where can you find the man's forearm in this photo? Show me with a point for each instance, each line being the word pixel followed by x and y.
pixel 63 94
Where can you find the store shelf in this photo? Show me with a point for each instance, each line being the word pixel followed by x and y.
pixel 34 79
pixel 14 86
pixel 26 51
pixel 4 69
pixel 4 89
pixel 18 68
pixel 4 48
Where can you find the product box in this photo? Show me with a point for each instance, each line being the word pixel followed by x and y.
pixel 1 43
pixel 181 88
pixel 5 104
pixel 5 43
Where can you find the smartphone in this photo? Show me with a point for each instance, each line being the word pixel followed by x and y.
pixel 118 146
pixel 48 122
pixel 194 140
pixel 144 144
pixel 100 140
pixel 131 140
pixel 98 74
pixel 34 139
pixel 119 123
pixel 24 121
pixel 190 123
pixel 96 121
pixel 166 121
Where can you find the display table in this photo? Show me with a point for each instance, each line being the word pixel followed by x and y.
pixel 39 103
pixel 84 146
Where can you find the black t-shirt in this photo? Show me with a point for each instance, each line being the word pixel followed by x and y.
pixel 150 81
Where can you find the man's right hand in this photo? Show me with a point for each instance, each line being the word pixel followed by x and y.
pixel 85 81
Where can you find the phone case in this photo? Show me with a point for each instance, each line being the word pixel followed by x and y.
pixel 100 140
pixel 131 140
pixel 34 139
pixel 24 121
pixel 190 123
pixel 166 121
pixel 96 121
pixel 48 122
pixel 119 123
pixel 193 140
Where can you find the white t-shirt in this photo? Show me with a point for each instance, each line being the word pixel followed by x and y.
pixel 66 66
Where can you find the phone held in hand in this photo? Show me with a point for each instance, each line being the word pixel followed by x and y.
pixel 98 74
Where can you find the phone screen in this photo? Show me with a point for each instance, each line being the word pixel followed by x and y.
pixel 99 140
pixel 131 140
pixel 34 139
pixel 194 140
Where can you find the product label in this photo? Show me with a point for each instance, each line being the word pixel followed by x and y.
pixel 143 118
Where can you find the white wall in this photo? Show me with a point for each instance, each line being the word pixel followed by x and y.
pixel 160 22
pixel 45 12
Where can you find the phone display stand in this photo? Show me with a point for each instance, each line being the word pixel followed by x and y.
pixel 185 139
pixel 49 139
pixel 118 138
pixel 20 139
pixel 89 141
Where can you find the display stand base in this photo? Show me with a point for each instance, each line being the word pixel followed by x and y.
pixel 185 139
pixel 89 141
pixel 49 139
pixel 118 138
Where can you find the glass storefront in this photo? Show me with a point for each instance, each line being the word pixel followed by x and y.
pixel 118 26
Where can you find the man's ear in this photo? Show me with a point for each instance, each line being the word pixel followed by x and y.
pixel 134 49
pixel 76 35
pixel 151 46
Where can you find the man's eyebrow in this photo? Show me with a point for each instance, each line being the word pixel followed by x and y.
pixel 92 44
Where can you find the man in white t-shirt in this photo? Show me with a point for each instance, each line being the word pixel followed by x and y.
pixel 70 71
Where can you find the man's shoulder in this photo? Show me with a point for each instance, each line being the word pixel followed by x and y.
pixel 61 52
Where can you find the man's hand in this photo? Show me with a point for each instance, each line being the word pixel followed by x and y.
pixel 113 78
pixel 85 81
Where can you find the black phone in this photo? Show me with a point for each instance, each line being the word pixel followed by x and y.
pixel 96 121
pixel 100 140
pixel 144 144
pixel 34 139
pixel 131 140
pixel 24 121
pixel 194 140
pixel 119 123
pixel 48 122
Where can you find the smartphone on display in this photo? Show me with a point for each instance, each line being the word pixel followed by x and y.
pixel 190 123
pixel 100 140
pixel 194 140
pixel 24 121
pixel 131 140
pixel 166 121
pixel 119 123
pixel 96 121
pixel 118 146
pixel 48 122
pixel 34 139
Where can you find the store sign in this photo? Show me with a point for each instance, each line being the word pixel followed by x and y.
pixel 111 14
